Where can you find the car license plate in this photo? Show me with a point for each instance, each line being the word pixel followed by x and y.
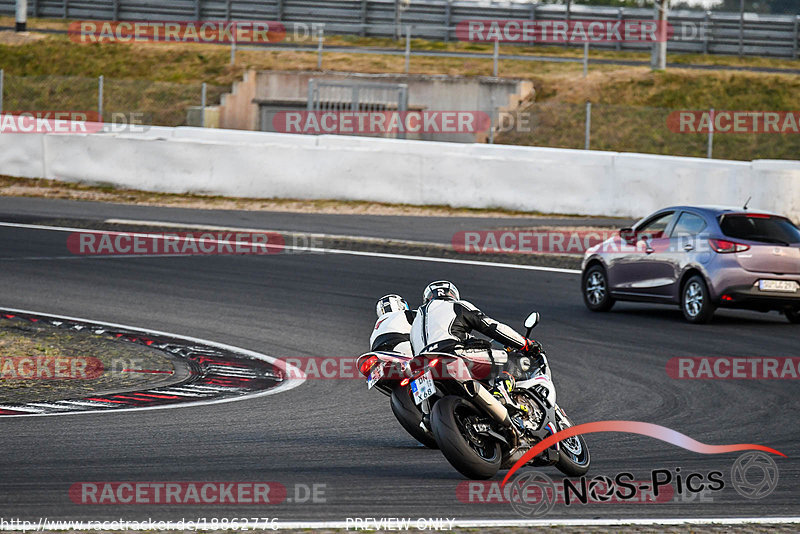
pixel 375 375
pixel 423 387
pixel 784 286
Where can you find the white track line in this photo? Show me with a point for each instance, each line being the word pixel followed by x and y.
pixel 302 249
pixel 214 228
pixel 286 385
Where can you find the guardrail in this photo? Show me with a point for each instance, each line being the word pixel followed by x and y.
pixel 697 31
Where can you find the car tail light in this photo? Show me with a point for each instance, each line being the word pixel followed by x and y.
pixel 404 382
pixel 722 246
pixel 368 364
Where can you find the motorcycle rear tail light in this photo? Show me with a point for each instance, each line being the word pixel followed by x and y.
pixel 368 364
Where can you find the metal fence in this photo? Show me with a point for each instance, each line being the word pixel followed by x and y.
pixel 696 31
pixel 639 129
pixel 597 126
pixel 152 103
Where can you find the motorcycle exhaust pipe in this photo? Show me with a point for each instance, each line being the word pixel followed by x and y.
pixel 487 401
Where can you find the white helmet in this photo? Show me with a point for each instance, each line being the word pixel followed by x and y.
pixel 441 289
pixel 391 303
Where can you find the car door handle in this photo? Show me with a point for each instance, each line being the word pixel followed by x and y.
pixel 649 249
pixel 688 246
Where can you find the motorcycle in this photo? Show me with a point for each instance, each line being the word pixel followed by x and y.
pixel 485 411
pixel 384 371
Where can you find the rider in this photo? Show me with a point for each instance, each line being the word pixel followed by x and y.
pixel 392 330
pixel 444 322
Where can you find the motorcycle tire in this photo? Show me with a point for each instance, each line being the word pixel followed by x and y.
pixel 409 416
pixel 475 457
pixel 574 458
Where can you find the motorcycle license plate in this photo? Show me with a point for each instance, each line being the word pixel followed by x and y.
pixel 423 387
pixel 374 376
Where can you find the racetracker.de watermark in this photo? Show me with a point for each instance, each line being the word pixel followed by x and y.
pixel 70 122
pixel 195 493
pixel 556 31
pixel 53 121
pixel 734 368
pixel 185 31
pixel 105 243
pixel 534 241
pixel 381 122
pixel 736 122
pixel 50 368
pixel 333 368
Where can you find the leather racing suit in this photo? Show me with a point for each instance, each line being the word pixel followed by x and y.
pixel 392 332
pixel 443 325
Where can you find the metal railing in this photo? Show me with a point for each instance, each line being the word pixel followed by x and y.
pixel 152 103
pixel 696 31
pixel 326 95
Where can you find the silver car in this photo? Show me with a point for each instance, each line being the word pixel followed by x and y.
pixel 700 258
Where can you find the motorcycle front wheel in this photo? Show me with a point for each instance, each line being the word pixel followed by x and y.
pixel 574 458
pixel 474 456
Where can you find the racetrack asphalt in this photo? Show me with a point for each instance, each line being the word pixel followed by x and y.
pixel 338 434
pixel 409 228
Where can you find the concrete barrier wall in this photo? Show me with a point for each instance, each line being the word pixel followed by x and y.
pixel 269 165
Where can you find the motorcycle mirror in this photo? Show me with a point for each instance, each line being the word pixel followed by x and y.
pixel 531 322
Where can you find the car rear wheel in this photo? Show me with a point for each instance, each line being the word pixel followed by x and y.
pixel 695 301
pixel 595 289
pixel 793 315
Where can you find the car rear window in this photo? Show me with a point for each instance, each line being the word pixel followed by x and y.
pixel 760 228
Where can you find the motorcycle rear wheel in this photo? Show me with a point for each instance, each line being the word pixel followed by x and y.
pixel 476 457
pixel 409 416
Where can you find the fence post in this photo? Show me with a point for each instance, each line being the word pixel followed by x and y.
pixel 233 49
pixel 710 150
pixel 496 57
pixel 203 104
pixel 585 59
pixel 228 10
pixel 619 19
pixel 397 29
pixel 448 19
pixel 741 27
pixel 533 19
pixel 35 8
pixel 311 90
pixel 587 135
pixel 408 48
pixel 196 9
pixel 658 61
pixel 491 120
pixel 66 9
pixel 280 10
pixel 22 15
pixel 402 107
pixel 100 98
pixel 363 18
pixel 706 30
pixel 1 90
pixel 319 48
pixel 796 36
